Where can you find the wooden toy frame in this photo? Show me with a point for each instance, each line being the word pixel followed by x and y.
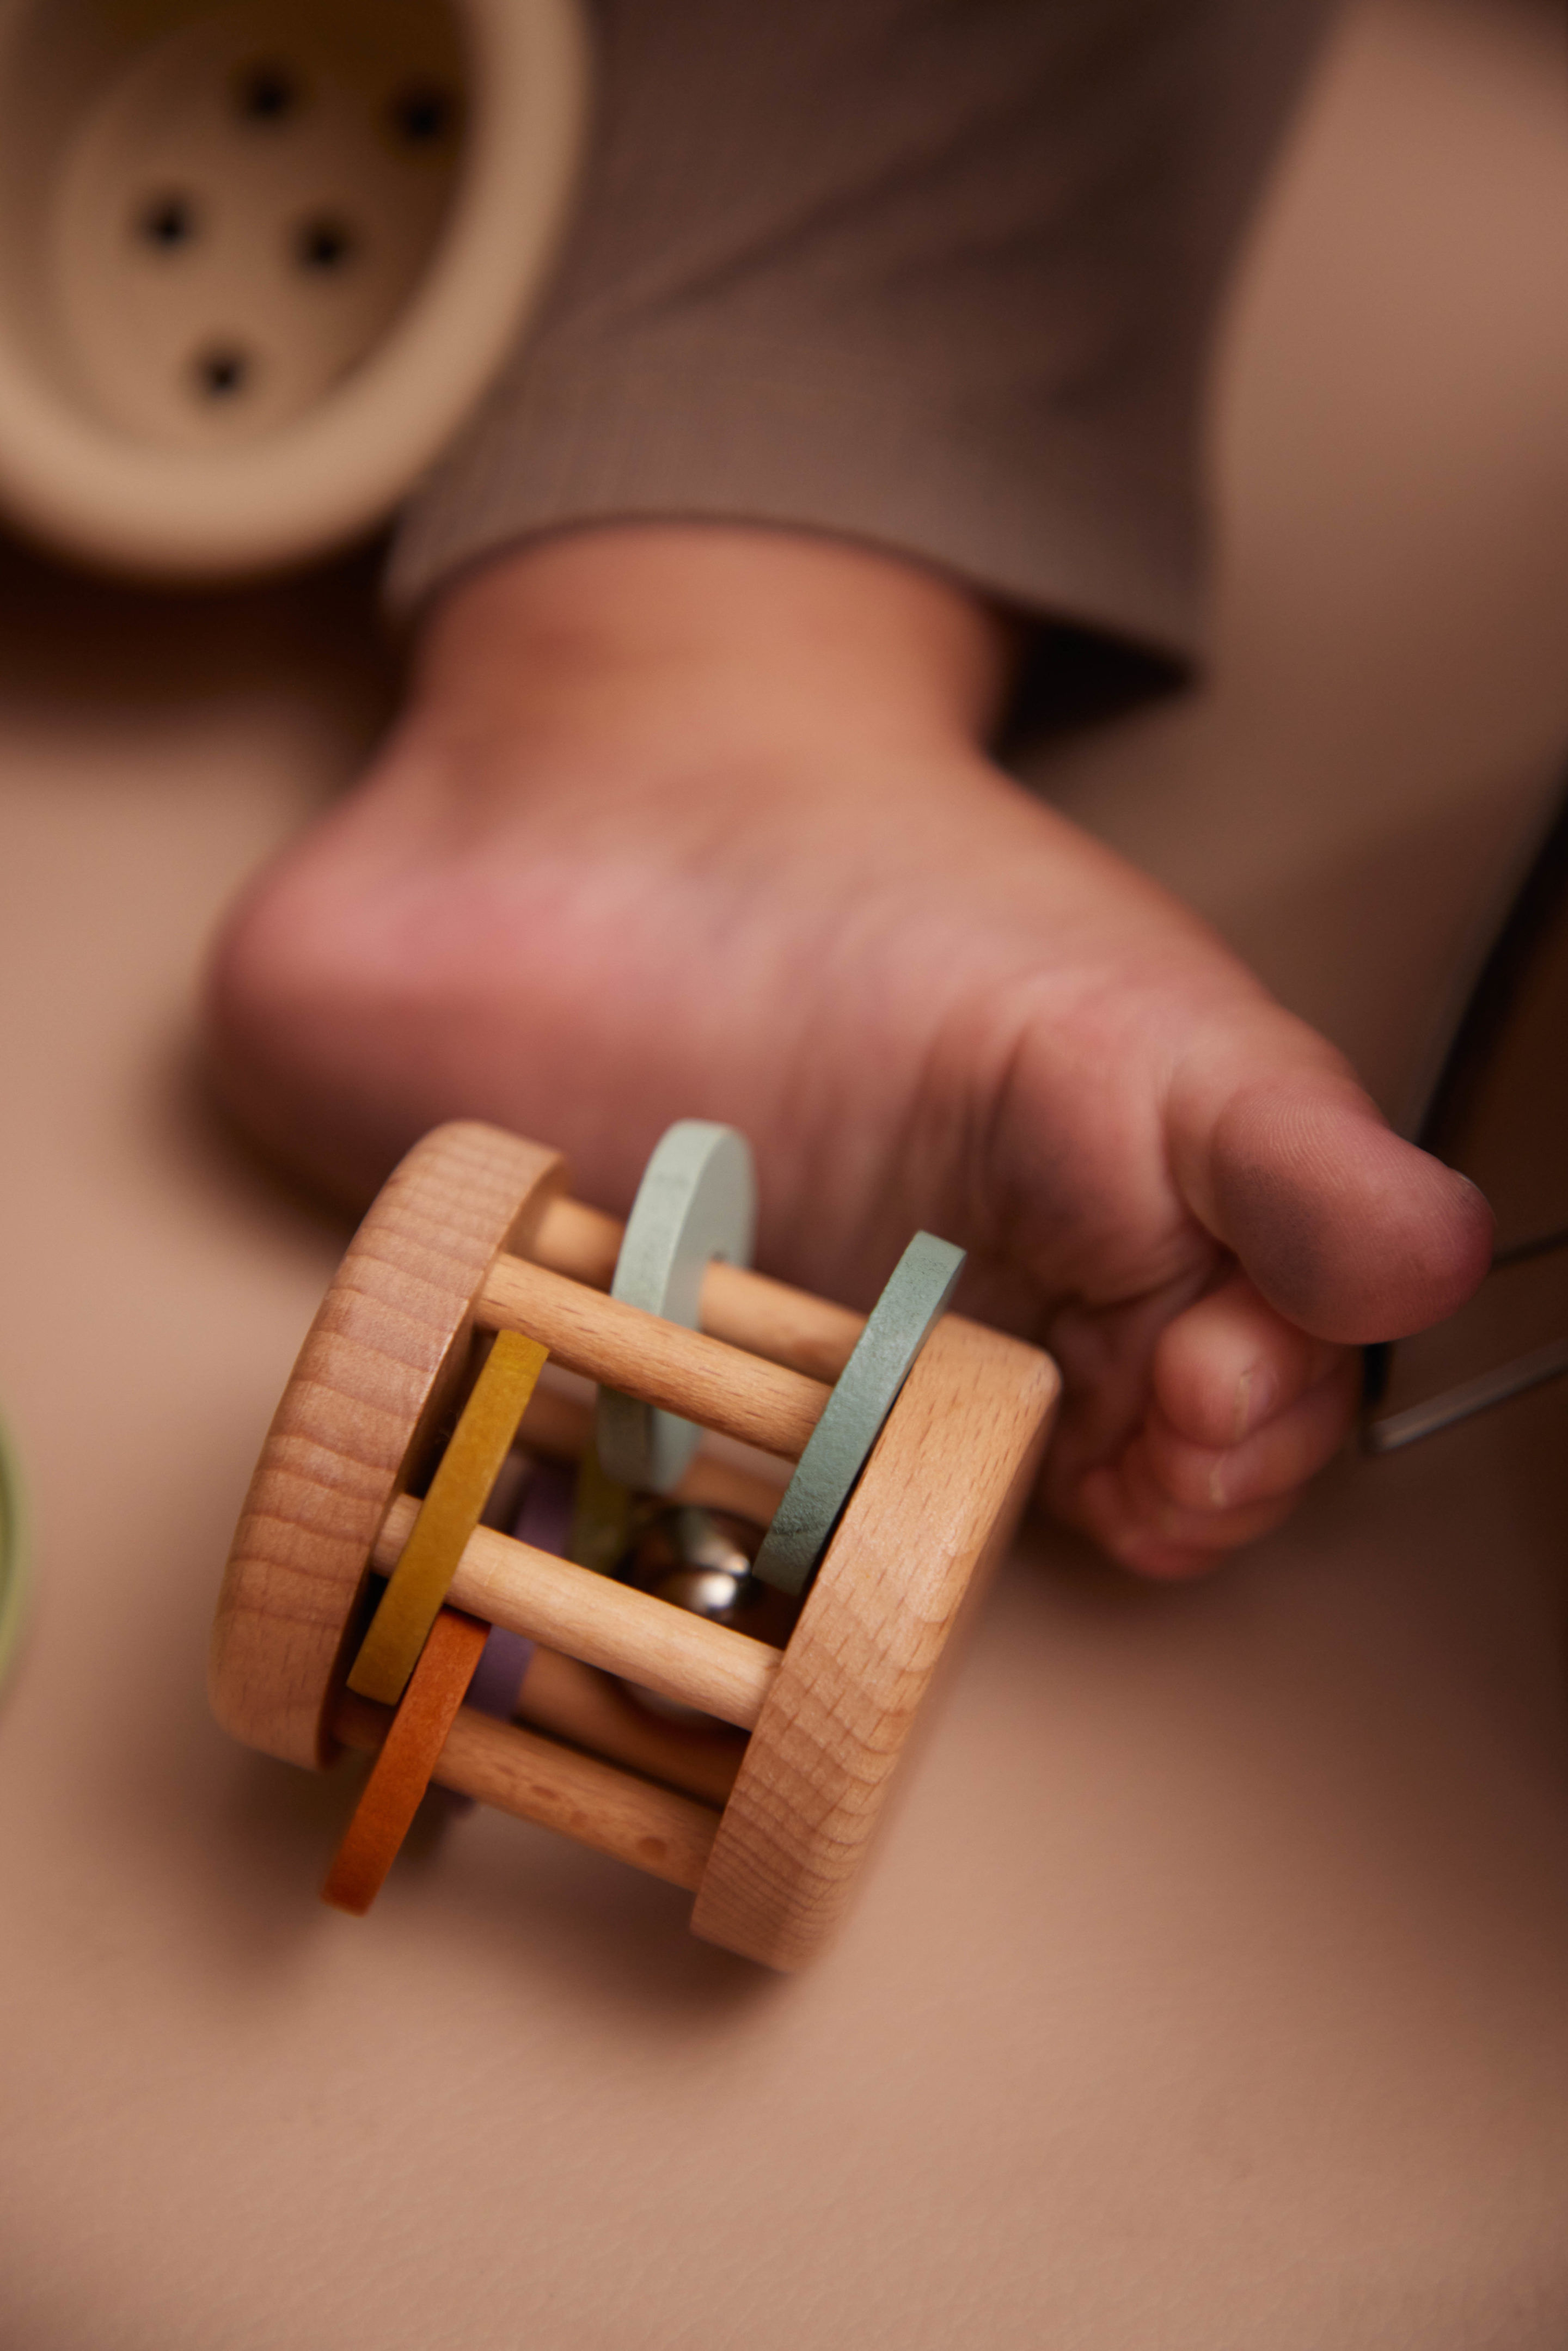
pixel 474 1232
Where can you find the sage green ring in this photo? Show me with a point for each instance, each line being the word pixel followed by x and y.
pixel 866 1391
pixel 14 1554
pixel 697 1200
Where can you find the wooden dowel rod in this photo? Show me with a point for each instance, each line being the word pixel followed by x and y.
pixel 572 1239
pixel 573 1701
pixel 560 1426
pixel 716 1485
pixel 682 1371
pixel 748 1309
pixel 768 1318
pixel 547 1599
pixel 554 1424
pixel 667 1836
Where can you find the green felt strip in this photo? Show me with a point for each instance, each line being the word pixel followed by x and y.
pixel 900 1323
pixel 697 1200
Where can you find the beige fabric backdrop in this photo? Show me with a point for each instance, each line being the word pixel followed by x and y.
pixel 1213 1986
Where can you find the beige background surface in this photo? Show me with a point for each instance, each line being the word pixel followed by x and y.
pixel 1212 1990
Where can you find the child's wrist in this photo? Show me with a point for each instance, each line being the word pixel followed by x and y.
pixel 733 628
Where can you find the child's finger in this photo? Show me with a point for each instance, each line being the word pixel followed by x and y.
pixel 1349 1230
pixel 1132 1518
pixel 1274 1460
pixel 1230 1363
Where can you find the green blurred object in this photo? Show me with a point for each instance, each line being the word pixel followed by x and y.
pixel 600 1517
pixel 14 1554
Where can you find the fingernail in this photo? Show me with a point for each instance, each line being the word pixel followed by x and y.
pixel 1254 1399
pixel 1218 1484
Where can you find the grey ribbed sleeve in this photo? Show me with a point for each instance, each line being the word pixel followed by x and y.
pixel 936 275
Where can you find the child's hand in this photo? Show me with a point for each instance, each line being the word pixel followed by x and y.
pixel 696 822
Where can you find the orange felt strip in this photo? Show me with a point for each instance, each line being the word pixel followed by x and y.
pixel 401 1772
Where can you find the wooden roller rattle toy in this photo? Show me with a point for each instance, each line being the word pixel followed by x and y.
pixel 716 1682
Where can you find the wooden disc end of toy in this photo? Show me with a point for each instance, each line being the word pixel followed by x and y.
pixel 939 1499
pixel 378 1369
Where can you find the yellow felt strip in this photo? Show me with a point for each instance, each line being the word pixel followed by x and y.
pixel 447 1517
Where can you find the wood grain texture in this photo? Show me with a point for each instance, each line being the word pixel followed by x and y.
pixel 581 1242
pixel 940 1496
pixel 380 1367
pixel 405 1762
pixel 744 1307
pixel 668 1835
pixel 575 1701
pixel 607 1625
pixel 561 1427
pixel 768 1318
pixel 659 1363
pixel 377 1369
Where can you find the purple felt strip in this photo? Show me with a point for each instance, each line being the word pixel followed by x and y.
pixel 498 1676
pixel 543 1519
pixel 544 1514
